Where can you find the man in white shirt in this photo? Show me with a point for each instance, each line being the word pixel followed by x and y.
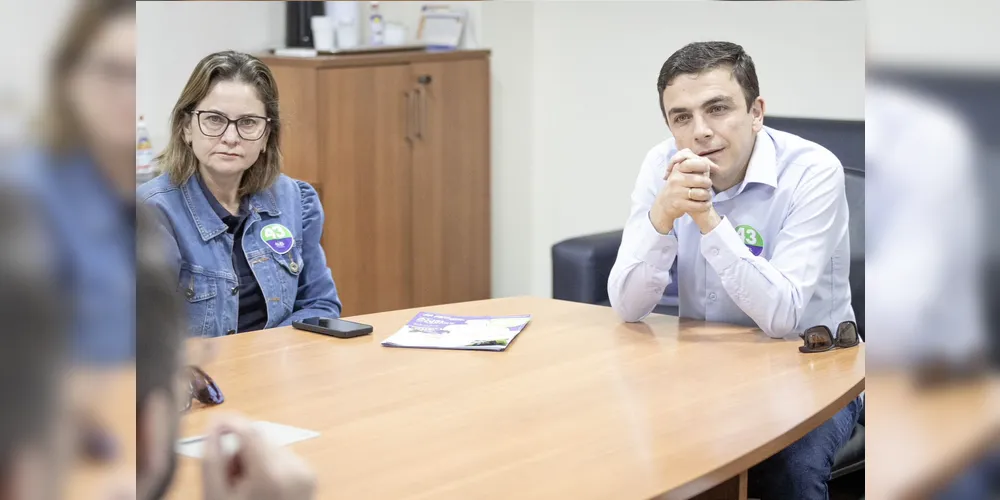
pixel 758 221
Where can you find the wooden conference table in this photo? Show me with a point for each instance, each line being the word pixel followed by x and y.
pixel 581 405
pixel 921 439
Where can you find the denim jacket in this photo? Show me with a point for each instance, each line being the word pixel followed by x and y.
pixel 295 281
pixel 91 227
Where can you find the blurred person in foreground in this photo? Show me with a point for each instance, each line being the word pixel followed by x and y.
pixel 78 173
pixel 924 258
pixel 258 469
pixel 757 220
pixel 245 237
pixel 82 170
pixel 35 433
pixel 84 178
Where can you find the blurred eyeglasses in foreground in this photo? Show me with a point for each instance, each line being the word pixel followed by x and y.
pixel 202 388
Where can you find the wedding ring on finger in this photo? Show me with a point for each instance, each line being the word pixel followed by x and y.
pixel 690 193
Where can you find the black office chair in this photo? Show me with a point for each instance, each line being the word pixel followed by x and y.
pixel 851 457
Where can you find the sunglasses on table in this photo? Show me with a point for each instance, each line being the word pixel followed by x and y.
pixel 820 339
pixel 202 388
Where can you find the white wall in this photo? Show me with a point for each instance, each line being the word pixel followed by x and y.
pixel 573 99
pixel 514 189
pixel 957 34
pixel 173 36
pixel 593 71
pixel 30 32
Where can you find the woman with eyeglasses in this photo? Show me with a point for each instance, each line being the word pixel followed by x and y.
pixel 245 237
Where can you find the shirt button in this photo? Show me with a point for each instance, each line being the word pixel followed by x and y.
pixel 230 332
pixel 715 252
pixel 294 267
pixel 712 296
pixel 235 290
pixel 189 293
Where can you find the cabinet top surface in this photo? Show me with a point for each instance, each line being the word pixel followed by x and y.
pixel 374 58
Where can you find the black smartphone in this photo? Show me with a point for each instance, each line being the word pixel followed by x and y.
pixel 333 327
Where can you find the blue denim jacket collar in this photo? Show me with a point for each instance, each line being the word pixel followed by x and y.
pixel 209 224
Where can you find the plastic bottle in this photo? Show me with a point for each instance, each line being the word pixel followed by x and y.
pixel 377 25
pixel 144 169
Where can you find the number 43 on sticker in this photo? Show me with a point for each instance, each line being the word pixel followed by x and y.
pixel 751 238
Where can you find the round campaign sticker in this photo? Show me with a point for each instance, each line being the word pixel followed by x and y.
pixel 751 238
pixel 278 237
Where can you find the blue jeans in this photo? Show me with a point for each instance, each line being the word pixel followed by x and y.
pixel 802 470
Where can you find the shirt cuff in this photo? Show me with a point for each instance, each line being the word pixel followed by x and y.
pixel 722 247
pixel 653 248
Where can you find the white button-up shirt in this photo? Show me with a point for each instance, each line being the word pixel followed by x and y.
pixel 779 259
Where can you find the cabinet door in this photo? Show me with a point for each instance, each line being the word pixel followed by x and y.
pixel 451 182
pixel 365 167
pixel 297 88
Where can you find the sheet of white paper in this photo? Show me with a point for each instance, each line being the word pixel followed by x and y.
pixel 278 434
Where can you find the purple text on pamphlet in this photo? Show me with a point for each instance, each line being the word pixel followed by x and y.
pixel 438 323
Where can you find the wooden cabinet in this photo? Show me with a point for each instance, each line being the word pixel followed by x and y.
pixel 400 145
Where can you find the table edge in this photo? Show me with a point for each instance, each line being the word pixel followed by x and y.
pixel 941 477
pixel 727 471
pixel 720 473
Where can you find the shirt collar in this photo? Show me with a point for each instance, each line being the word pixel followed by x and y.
pixel 763 165
pixel 208 213
pixel 214 202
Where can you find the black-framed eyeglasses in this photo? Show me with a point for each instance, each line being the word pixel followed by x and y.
pixel 820 339
pixel 213 124
pixel 202 388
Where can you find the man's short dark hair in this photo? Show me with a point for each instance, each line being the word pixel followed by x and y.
pixel 699 57
pixel 159 327
pixel 159 313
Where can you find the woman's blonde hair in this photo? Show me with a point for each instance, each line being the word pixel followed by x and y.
pixel 178 159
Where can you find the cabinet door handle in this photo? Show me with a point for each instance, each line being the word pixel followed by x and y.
pixel 421 112
pixel 409 115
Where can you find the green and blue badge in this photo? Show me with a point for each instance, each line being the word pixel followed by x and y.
pixel 278 237
pixel 751 238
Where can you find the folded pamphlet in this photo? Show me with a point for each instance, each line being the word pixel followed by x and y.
pixel 443 331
